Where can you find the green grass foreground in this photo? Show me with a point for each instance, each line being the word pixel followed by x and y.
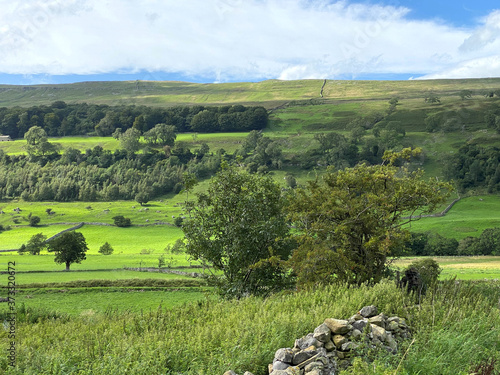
pixel 455 328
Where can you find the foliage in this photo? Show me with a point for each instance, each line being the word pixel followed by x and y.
pixel 178 247
pixel 34 220
pixel 106 249
pixel 69 248
pixel 37 143
pixel 36 244
pixel 142 197
pixel 122 221
pixel 130 140
pixel 161 134
pixel 84 119
pixel 465 94
pixel 238 227
pixel 474 166
pixel 488 243
pixel 351 220
pixel 432 98
pixel 428 271
pixel 178 221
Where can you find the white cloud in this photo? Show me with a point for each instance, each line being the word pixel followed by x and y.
pixel 233 39
pixel 476 68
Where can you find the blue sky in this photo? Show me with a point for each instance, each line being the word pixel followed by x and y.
pixel 64 41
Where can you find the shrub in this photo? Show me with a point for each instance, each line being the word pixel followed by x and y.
pixel 178 221
pixel 420 275
pixel 106 249
pixel 34 221
pixel 121 221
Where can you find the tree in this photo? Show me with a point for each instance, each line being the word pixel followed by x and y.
pixel 432 123
pixel 37 143
pixel 142 197
pixel 432 98
pixel 121 221
pixel 165 134
pixel 69 248
pixel 36 244
pixel 238 227
pixel 130 140
pixel 349 221
pixel 465 94
pixel 34 221
pixel 106 249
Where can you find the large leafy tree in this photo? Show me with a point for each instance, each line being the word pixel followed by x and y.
pixel 37 143
pixel 238 227
pixel 349 221
pixel 36 244
pixel 69 248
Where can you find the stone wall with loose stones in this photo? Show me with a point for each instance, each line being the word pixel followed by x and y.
pixel 332 346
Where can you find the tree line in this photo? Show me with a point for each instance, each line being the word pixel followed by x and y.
pixel 474 166
pixel 433 244
pixel 62 119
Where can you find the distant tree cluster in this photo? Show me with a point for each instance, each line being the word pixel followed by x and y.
pixel 433 244
pixel 61 119
pixel 474 166
pixel 98 174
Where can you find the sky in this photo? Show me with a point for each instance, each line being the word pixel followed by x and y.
pixel 212 41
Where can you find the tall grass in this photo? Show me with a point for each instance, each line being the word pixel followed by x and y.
pixel 211 337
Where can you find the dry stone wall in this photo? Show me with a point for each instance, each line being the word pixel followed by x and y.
pixel 332 346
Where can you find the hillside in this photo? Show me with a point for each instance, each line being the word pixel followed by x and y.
pixel 271 93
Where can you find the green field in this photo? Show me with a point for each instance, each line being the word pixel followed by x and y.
pixel 469 217
pixel 88 302
pixel 463 268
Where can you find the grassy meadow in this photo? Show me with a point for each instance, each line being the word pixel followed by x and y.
pixel 244 335
pixel 271 93
pixel 468 217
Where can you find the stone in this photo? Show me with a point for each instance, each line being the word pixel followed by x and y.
pixel 314 372
pixel 379 333
pixel 306 341
pixel 355 317
pixel 293 371
pixel 308 361
pixel 368 311
pixel 338 340
pixel 230 372
pixel 330 346
pixel 284 355
pixel 338 327
pixel 322 333
pixel 247 373
pixel 378 320
pixel 391 342
pixel 279 365
pixel 356 334
pixel 360 324
pixel 279 372
pixel 348 346
pixel 392 326
pixel 303 356
pixel 313 365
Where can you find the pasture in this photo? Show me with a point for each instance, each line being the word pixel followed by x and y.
pixel 468 217
pixel 463 268
pixel 270 93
